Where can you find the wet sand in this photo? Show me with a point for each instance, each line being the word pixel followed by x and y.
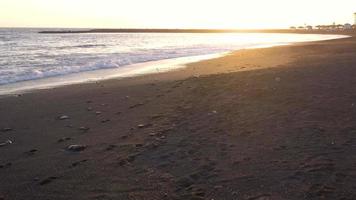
pixel 274 123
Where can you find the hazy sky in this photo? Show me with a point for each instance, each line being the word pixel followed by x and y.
pixel 174 13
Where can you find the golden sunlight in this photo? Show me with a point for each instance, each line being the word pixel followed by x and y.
pixel 172 14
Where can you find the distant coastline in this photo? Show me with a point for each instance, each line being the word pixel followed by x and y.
pixel 190 31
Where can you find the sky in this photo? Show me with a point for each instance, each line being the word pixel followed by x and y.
pixel 235 14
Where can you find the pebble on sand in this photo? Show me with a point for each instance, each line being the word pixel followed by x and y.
pixel 63 117
pixel 141 126
pixel 7 142
pixel 83 128
pixel 153 134
pixel 144 125
pixel 64 139
pixel 76 148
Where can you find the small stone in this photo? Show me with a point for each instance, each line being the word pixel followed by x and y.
pixel 7 142
pixel 97 112
pixel 141 126
pixel 63 117
pixel 76 148
pixel 89 109
pixel 152 134
pixel 138 145
pixel 83 128
pixel 105 120
pixel 111 147
pixel 64 139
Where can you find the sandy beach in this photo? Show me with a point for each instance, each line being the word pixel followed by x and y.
pixel 260 124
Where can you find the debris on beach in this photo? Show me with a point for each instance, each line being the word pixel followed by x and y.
pixel 76 148
pixel 7 142
pixel 63 117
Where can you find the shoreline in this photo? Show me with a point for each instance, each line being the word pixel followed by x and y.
pixel 128 71
pixel 257 124
pixel 134 70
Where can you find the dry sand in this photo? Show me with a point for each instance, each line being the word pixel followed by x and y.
pixel 275 123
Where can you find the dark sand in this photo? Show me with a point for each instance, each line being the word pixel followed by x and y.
pixel 275 123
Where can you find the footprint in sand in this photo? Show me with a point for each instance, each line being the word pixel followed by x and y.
pixel 75 164
pixel 31 152
pixel 48 180
pixel 6 165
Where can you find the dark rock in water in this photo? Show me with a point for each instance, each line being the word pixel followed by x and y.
pixel 76 148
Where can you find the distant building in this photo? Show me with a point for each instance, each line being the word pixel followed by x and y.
pixel 347 26
pixel 309 28
pixel 293 27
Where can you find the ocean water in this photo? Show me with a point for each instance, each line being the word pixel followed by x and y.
pixel 26 55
